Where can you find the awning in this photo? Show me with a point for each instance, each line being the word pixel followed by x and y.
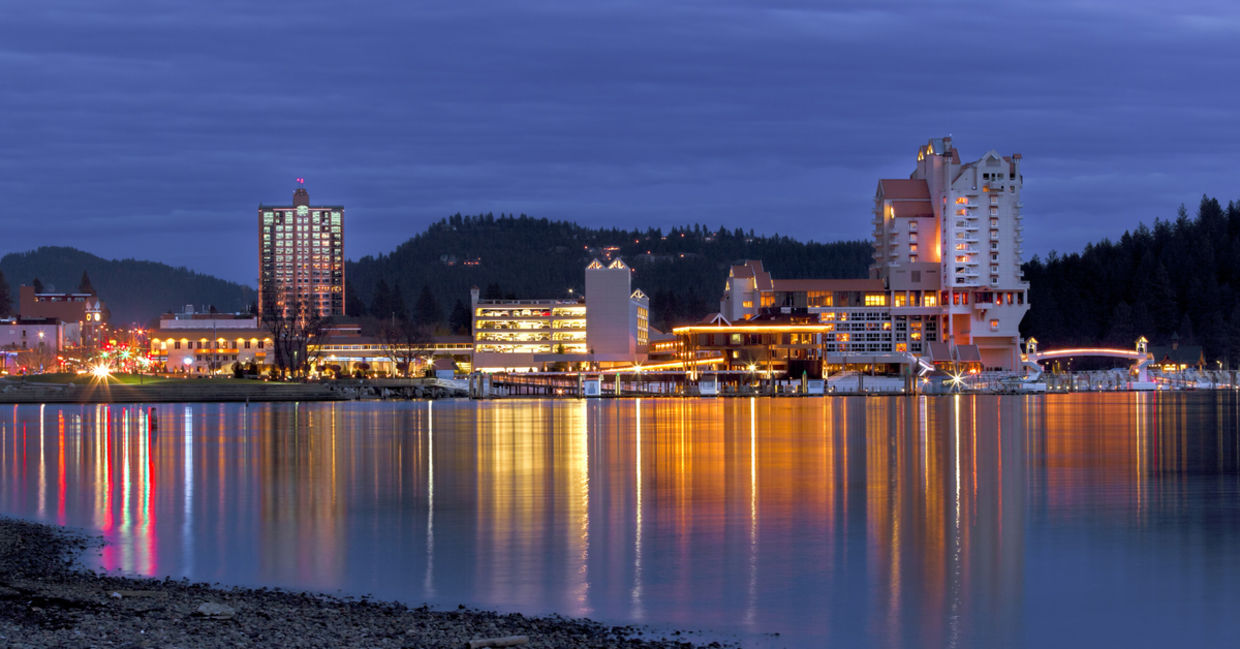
pixel 968 354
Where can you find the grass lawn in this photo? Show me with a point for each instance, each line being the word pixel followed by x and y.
pixel 122 379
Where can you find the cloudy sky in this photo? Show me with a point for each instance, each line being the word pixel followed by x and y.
pixel 152 129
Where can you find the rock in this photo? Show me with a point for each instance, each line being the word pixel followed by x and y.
pixel 215 611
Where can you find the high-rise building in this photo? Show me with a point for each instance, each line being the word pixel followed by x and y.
pixel 301 258
pixel 945 286
pixel 957 227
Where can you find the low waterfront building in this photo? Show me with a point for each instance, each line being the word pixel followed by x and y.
pixel 817 325
pixel 85 310
pixel 33 345
pixel 1176 357
pixel 608 327
pixel 208 343
pixel 344 351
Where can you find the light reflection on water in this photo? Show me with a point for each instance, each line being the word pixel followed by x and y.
pixel 946 521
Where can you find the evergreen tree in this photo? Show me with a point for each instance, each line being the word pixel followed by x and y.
pixel 381 300
pixel 426 311
pixel 37 285
pixel 1232 330
pixel 1123 333
pixel 460 320
pixel 1186 333
pixel 84 286
pixel 6 301
pixel 353 305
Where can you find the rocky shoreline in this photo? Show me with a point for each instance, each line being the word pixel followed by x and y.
pixel 46 600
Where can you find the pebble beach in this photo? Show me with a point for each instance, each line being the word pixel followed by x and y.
pixel 48 600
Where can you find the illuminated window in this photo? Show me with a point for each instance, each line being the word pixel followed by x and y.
pixel 819 298
pixel 900 299
pixel 929 300
pixel 912 247
pixel 994 324
pixel 901 347
pixel 748 304
pixel 841 337
pixel 962 201
pixel 875 299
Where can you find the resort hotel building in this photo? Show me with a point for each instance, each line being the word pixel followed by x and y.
pixel 608 327
pixel 301 258
pixel 945 287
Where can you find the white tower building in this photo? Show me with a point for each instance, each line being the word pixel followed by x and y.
pixel 961 223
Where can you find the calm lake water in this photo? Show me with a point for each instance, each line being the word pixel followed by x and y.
pixel 1060 520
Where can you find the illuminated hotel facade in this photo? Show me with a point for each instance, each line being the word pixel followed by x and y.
pixel 958 228
pixel 301 258
pixel 918 305
pixel 607 327
pixel 208 343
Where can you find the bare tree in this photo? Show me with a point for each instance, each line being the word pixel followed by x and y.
pixel 39 358
pixel 404 343
pixel 294 328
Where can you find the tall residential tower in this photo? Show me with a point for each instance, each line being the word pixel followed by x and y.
pixel 957 227
pixel 301 258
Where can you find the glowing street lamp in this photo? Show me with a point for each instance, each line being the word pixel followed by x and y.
pixel 956 381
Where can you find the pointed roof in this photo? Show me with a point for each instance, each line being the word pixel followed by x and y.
pixel 904 189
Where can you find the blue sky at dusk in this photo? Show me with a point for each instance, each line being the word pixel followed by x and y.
pixel 152 129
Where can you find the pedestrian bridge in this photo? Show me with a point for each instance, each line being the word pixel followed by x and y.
pixel 1140 357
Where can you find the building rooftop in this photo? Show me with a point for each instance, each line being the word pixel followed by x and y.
pixel 828 285
pixel 904 189
pixel 912 209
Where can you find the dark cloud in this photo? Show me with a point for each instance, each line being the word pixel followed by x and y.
pixel 153 129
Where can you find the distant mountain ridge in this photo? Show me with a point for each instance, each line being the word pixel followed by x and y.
pixel 135 291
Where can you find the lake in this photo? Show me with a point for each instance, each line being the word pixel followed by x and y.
pixel 972 521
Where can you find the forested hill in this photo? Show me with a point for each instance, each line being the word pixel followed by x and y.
pixel 1180 277
pixel 134 291
pixel 682 270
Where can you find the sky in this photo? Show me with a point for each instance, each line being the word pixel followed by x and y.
pixel 153 129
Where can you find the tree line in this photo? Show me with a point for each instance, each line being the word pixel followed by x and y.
pixel 1181 277
pixel 517 256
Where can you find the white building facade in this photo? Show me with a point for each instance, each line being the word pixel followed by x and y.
pixel 945 284
pixel 208 343
pixel 605 328
pixel 958 225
